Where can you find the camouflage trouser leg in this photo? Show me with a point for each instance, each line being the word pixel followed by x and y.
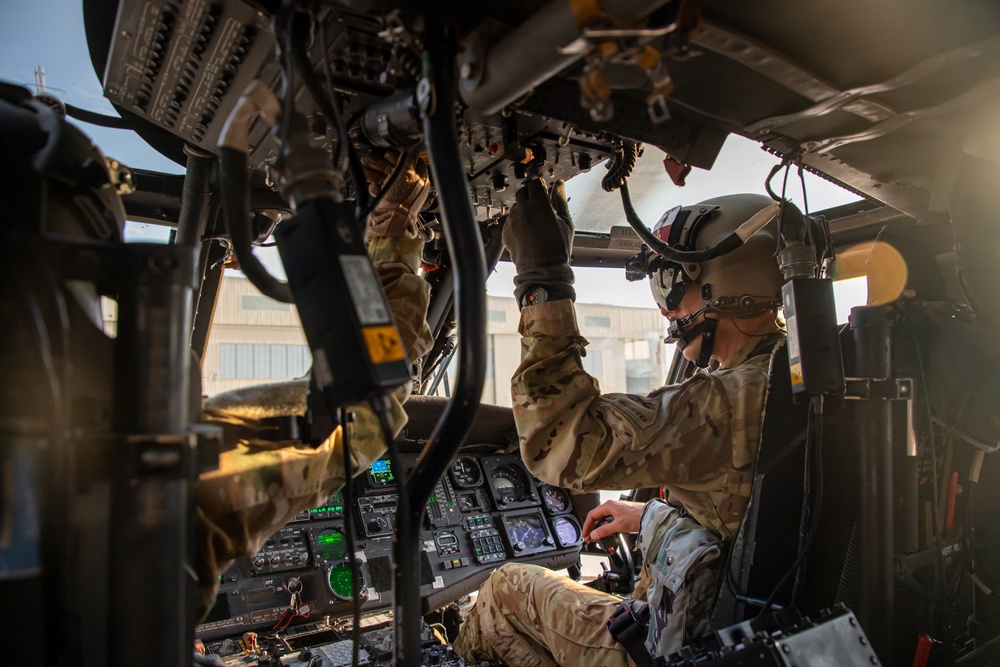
pixel 528 616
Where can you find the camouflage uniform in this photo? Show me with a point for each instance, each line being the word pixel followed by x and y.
pixel 698 438
pixel 261 484
pixel 529 616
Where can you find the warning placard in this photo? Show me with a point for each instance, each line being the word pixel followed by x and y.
pixel 383 344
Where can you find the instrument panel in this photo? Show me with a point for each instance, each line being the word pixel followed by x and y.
pixel 486 510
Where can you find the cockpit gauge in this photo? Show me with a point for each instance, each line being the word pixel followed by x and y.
pixel 556 500
pixel 509 482
pixel 331 545
pixel 469 502
pixel 339 579
pixel 568 533
pixel 527 532
pixel 511 485
pixel 465 472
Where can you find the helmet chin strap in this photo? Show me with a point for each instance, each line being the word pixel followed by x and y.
pixel 683 333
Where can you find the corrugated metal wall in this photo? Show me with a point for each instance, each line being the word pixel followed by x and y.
pixel 239 320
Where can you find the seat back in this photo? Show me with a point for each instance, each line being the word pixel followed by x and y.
pixel 767 542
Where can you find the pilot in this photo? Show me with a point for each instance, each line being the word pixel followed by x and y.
pixel 698 438
pixel 261 484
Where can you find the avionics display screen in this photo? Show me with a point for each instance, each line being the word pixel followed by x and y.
pixel 381 473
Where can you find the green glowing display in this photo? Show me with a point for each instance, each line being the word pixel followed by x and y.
pixel 329 538
pixel 340 581
pixel 331 544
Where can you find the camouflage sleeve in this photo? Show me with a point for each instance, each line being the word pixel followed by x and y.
pixel 260 485
pixel 573 436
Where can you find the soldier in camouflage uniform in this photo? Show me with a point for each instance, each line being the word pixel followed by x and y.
pixel 261 484
pixel 698 438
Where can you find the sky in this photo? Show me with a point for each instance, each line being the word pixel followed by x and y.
pixel 50 33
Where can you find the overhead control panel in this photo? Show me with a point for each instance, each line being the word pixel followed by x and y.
pixel 182 65
pixel 487 510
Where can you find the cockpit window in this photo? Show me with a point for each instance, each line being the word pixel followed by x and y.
pixel 620 320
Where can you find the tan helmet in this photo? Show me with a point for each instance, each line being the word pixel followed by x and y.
pixel 742 283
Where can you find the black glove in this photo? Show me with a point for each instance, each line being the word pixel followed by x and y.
pixel 539 235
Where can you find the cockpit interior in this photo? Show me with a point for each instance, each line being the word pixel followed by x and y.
pixel 265 107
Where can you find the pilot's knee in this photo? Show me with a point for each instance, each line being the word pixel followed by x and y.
pixel 510 587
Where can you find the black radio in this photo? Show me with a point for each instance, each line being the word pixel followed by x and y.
pixel 378 514
pixel 285 550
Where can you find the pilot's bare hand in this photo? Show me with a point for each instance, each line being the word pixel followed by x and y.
pixel 625 517
pixel 397 211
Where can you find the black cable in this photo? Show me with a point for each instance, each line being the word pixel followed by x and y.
pixel 353 119
pixel 283 28
pixel 345 418
pixel 935 508
pixel 662 248
pixel 773 195
pixel 969 545
pixel 195 198
pixel 233 166
pixel 342 136
pixel 805 211
pixel 99 119
pixel 383 410
pixel 300 57
pixel 465 248
pixel 814 439
pixel 781 210
pixel 767 181
pixel 404 159
pixel 804 517
pixel 620 166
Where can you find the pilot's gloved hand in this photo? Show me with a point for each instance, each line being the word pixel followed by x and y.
pixel 539 236
pixel 396 213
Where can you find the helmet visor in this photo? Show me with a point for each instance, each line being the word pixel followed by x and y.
pixel 668 284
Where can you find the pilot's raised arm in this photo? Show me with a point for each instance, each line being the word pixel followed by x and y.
pixel 699 437
pixel 261 484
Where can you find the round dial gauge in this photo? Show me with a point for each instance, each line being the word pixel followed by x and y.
pixel 331 545
pixel 525 532
pixel 567 532
pixel 340 581
pixel 511 484
pixel 467 502
pixel 556 499
pixel 466 472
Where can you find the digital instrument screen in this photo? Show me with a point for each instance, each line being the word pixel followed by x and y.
pixel 331 544
pixel 381 473
pixel 340 581
pixel 332 508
